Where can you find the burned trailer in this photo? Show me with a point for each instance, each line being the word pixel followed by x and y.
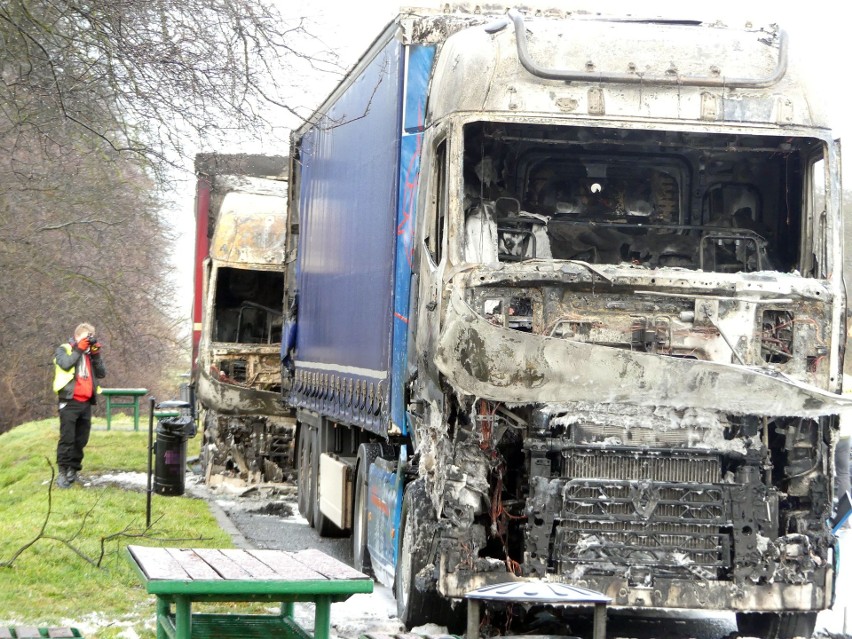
pixel 615 317
pixel 242 231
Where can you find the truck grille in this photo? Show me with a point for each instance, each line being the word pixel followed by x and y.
pixel 657 512
pixel 656 465
pixel 629 500
pixel 662 549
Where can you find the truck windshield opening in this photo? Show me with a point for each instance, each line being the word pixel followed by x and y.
pixel 712 202
pixel 248 306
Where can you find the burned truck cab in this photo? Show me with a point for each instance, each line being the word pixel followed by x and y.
pixel 248 432
pixel 629 339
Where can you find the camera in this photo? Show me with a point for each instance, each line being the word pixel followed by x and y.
pixel 93 341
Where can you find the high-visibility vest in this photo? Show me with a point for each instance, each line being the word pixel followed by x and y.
pixel 61 377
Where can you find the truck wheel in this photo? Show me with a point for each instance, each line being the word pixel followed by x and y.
pixel 322 524
pixel 417 602
pixel 306 503
pixel 776 625
pixel 360 554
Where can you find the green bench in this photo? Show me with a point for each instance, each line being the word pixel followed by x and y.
pixel 123 398
pixel 181 576
pixel 31 632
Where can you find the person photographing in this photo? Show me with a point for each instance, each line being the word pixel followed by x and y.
pixel 78 364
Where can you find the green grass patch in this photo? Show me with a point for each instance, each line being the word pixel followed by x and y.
pixel 53 581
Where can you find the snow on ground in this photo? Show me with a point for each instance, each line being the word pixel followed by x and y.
pixel 374 613
pixel 126 480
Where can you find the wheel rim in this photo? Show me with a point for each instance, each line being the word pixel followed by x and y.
pixel 405 568
pixel 305 478
pixel 359 532
pixel 313 482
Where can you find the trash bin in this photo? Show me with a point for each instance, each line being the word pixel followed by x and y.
pixel 170 454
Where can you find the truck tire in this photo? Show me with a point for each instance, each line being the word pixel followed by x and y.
pixel 360 554
pixel 416 602
pixel 367 454
pixel 322 524
pixel 305 485
pixel 776 625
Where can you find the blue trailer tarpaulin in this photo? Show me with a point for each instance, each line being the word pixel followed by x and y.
pixel 348 208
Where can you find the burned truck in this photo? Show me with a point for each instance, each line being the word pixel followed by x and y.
pixel 241 236
pixel 571 309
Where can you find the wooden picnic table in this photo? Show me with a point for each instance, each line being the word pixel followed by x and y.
pixel 130 399
pixel 181 576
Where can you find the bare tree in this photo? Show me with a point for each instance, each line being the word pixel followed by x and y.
pixel 81 239
pixel 147 75
pixel 97 99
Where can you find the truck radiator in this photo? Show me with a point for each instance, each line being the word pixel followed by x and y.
pixel 640 512
pixel 658 466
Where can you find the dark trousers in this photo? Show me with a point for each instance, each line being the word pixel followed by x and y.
pixel 75 424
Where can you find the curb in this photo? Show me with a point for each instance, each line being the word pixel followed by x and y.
pixel 202 492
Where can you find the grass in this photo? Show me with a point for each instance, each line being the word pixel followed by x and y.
pixel 49 583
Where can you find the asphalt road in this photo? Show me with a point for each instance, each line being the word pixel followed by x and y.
pixel 268 518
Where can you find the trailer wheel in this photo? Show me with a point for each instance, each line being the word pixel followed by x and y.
pixel 322 524
pixel 775 625
pixel 417 600
pixel 306 487
pixel 360 554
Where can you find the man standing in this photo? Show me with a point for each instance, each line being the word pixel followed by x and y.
pixel 77 364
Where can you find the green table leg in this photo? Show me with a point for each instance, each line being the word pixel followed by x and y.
pixel 322 618
pixel 162 615
pixel 109 411
pixel 287 609
pixel 183 618
pixel 136 412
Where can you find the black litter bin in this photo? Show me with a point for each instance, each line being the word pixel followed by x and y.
pixel 170 454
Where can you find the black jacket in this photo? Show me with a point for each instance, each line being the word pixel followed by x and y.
pixel 68 357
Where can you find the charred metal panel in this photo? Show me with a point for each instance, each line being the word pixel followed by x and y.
pixel 496 363
pixel 247 164
pixel 251 229
pixel 612 461
pixel 230 397
pixel 631 51
pixel 742 60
